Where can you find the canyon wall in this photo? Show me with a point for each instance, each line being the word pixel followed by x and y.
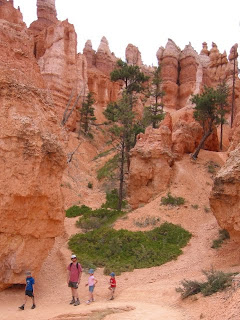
pixel 32 156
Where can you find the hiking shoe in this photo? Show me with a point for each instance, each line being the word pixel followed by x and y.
pixel 77 303
pixel 22 307
pixel 73 301
pixel 88 302
pixel 111 298
pixel 33 306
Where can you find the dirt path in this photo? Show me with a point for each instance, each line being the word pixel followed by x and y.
pixel 145 293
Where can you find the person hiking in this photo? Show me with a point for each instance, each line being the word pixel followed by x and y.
pixel 29 291
pixel 113 284
pixel 91 285
pixel 73 279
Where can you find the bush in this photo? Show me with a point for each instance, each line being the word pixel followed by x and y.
pixel 223 235
pixel 212 167
pixel 170 200
pixel 189 288
pixel 216 281
pixel 123 250
pixel 145 222
pixel 90 185
pixel 112 200
pixel 76 211
pixel 95 219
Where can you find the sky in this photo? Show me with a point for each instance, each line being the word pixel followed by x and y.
pixel 148 24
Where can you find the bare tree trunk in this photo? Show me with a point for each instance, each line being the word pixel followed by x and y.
pixel 204 138
pixel 121 176
pixel 70 155
pixel 221 135
pixel 67 115
pixel 66 110
pixel 233 89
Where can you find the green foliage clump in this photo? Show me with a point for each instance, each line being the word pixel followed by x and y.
pixel 216 281
pixel 170 200
pixel 145 222
pixel 76 211
pixel 107 171
pixel 123 250
pixel 90 185
pixel 223 235
pixel 195 206
pixel 212 167
pixel 98 218
pixel 112 199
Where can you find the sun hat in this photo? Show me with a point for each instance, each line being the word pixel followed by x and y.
pixel 28 273
pixel 73 256
pixel 112 274
pixel 91 271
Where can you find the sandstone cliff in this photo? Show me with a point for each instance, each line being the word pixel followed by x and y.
pixel 32 157
pixel 225 195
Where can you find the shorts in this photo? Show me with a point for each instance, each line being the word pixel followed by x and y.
pixel 91 288
pixel 29 293
pixel 73 284
pixel 113 288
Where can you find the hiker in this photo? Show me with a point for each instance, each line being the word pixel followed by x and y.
pixel 29 290
pixel 73 279
pixel 113 284
pixel 91 285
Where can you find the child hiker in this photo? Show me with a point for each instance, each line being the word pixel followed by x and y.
pixel 29 290
pixel 113 284
pixel 91 284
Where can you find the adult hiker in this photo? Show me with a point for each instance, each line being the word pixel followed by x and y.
pixel 73 279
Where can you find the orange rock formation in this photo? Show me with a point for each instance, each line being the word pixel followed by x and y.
pixel 32 157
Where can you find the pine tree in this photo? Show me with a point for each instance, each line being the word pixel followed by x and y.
pixel 153 114
pixel 210 108
pixel 87 112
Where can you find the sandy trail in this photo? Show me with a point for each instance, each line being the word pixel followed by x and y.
pixel 145 293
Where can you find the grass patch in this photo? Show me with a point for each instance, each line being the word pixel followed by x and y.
pixel 123 250
pixel 76 211
pixel 98 218
pixel 107 171
pixel 216 281
pixel 145 222
pixel 223 235
pixel 171 200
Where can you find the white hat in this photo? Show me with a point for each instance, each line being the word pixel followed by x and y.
pixel 73 256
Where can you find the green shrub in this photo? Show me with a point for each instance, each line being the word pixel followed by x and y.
pixel 212 167
pixel 90 185
pixel 123 250
pixel 223 235
pixel 206 209
pixel 189 288
pixel 112 200
pixel 216 281
pixel 107 171
pixel 95 219
pixel 76 211
pixel 170 200
pixel 145 222
pixel 195 206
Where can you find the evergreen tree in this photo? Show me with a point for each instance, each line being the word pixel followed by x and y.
pixel 153 114
pixel 87 112
pixel 124 125
pixel 209 112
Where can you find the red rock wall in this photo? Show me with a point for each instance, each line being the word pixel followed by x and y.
pixel 32 159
